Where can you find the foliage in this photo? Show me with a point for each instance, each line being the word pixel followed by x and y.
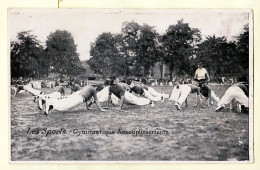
pixel 62 51
pixel 133 52
pixel 243 48
pixel 148 48
pixel 179 42
pixel 221 57
pixel 130 36
pixel 27 57
pixel 218 55
pixel 106 58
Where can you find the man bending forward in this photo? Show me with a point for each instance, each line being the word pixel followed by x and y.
pixel 73 100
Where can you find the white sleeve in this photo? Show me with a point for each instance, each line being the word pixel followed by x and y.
pixel 205 71
pixel 196 72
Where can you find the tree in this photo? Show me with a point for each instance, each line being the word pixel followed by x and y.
pixel 121 64
pixel 148 48
pixel 131 34
pixel 179 42
pixel 26 56
pixel 243 48
pixel 161 55
pixel 218 55
pixel 62 51
pixel 106 56
pixel 140 46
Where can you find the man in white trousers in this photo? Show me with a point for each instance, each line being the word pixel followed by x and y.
pixel 29 89
pixel 153 94
pixel 180 93
pixel 73 100
pixel 125 96
pixel 157 94
pixel 143 91
pixel 238 92
pixel 58 91
pixel 103 91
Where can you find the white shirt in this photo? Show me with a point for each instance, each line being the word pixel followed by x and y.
pixel 200 73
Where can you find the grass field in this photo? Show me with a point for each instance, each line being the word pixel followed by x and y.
pixel 193 133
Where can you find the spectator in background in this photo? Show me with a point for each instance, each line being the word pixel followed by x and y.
pixel 81 83
pixel 76 81
pixel 222 80
pixel 56 82
pixel 19 81
pixel 201 74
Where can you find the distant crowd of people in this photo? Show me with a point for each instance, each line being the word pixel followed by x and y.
pixel 53 82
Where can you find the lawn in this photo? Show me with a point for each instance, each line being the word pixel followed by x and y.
pixel 193 134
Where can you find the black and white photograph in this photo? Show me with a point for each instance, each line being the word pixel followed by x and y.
pixel 131 85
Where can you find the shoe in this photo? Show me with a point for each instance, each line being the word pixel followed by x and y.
pixel 244 109
pixel 219 108
pixel 162 99
pixel 177 106
pixel 152 104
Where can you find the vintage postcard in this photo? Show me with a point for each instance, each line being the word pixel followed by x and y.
pixel 131 85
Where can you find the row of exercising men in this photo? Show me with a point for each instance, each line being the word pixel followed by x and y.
pixel 181 92
pixel 122 91
pixel 113 90
pixel 237 93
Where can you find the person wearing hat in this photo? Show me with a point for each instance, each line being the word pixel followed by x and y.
pixel 201 74
pixel 181 92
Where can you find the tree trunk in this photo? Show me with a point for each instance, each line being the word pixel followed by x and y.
pixel 161 69
pixel 171 74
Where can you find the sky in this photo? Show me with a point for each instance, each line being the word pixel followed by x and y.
pixel 86 24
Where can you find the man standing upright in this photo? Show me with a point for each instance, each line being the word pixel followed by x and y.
pixel 201 74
